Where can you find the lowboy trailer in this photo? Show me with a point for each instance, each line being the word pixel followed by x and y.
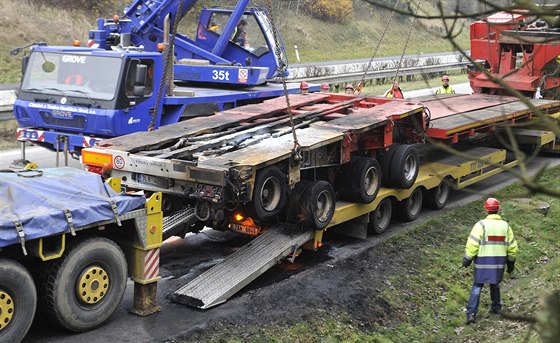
pixel 347 162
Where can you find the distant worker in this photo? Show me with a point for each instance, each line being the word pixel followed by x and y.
pixel 492 246
pixel 74 79
pixel 239 36
pixel 325 87
pixel 213 26
pixel 349 89
pixel 395 91
pixel 445 87
pixel 303 87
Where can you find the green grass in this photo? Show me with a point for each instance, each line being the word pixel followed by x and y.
pixel 428 300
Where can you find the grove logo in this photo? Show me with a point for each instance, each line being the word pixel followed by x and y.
pixel 119 162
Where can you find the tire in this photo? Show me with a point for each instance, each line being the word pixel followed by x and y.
pixel 365 180
pixel 404 166
pixel 319 203
pixel 70 300
pixel 385 159
pixel 269 195
pixel 380 218
pixel 436 198
pixel 18 301
pixel 409 209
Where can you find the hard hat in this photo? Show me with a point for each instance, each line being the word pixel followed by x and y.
pixel 324 85
pixel 304 85
pixel 445 77
pixel 492 205
pixel 349 86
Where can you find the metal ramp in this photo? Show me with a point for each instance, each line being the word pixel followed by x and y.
pixel 220 282
pixel 176 222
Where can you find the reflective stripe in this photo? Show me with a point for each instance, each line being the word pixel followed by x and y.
pixel 489 266
pixel 474 239
pixel 494 243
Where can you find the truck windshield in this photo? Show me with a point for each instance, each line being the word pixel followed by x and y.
pixel 80 76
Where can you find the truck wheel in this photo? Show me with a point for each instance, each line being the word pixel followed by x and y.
pixel 365 180
pixel 436 198
pixel 385 159
pixel 18 301
pixel 319 200
pixel 269 196
pixel 409 209
pixel 404 166
pixel 86 285
pixel 380 218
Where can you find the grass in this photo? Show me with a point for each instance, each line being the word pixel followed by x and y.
pixel 380 89
pixel 428 300
pixel 24 22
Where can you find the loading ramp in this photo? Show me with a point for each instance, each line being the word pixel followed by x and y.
pixel 220 282
pixel 177 221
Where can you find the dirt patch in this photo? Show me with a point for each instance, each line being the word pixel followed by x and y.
pixel 349 290
pixel 8 134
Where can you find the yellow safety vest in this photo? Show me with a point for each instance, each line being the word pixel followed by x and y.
pixel 443 90
pixel 491 244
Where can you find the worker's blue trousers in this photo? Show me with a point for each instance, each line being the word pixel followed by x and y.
pixel 474 299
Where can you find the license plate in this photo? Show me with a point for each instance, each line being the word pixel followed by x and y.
pixel 248 230
pixel 152 180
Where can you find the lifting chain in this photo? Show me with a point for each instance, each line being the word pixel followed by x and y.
pixel 407 39
pixel 296 149
pixel 167 65
pixel 361 83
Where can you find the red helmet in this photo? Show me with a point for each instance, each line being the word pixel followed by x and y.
pixel 349 86
pixel 492 205
pixel 303 85
pixel 324 86
pixel 445 77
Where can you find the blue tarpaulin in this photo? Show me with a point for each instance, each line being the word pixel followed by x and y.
pixel 39 203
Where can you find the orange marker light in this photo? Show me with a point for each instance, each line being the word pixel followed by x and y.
pixel 238 217
pixel 160 47
pixel 116 18
pixel 76 42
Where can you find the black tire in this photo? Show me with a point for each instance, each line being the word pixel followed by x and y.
pixel 436 198
pixel 365 180
pixel 18 301
pixel 319 202
pixel 269 194
pixel 409 209
pixel 380 218
pixel 404 166
pixel 385 159
pixel 71 299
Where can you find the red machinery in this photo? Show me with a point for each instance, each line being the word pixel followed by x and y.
pixel 521 50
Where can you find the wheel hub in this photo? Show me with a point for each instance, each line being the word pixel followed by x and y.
pixel 271 194
pixel 92 285
pixel 6 309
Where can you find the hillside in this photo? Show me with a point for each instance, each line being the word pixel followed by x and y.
pixel 24 22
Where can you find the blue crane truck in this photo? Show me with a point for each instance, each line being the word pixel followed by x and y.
pixel 71 96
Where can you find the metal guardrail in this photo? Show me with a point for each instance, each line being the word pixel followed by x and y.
pixel 8 97
pixel 386 73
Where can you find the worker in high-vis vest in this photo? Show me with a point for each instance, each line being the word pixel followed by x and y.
pixel 492 247
pixel 445 87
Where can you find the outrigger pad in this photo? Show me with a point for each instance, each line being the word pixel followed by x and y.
pixel 38 203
